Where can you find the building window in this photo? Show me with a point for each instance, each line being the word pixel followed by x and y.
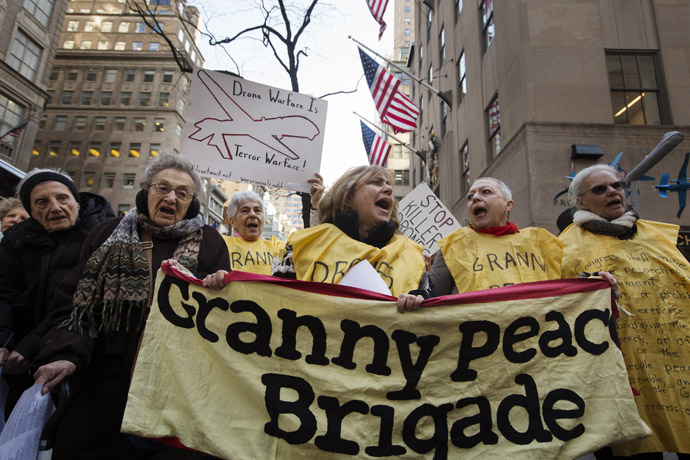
pixel 465 162
pixel 429 20
pixel 36 149
pixel 108 180
pixel 421 55
pixel 10 117
pixel 134 150
pixel 54 75
pixel 72 26
pixel 89 26
pixel 458 8
pixel 167 76
pixel 86 97
pixel 637 95
pixel 106 26
pixel 444 119
pixel 115 149
pixel 66 97
pixel 137 46
pixel 91 74
pixel 140 28
pixel 110 76
pixel 72 75
pixel 119 46
pixel 462 81
pixel 148 76
pixel 119 124
pixel 407 33
pixel 122 208
pixel 397 150
pixel 407 21
pixel 42 121
pixel 25 55
pixel 40 9
pixel 106 97
pixel 123 27
pixel 79 123
pixel 487 12
pixel 128 180
pixel 99 123
pixel 75 148
pixel 178 130
pixel 68 44
pixel 129 75
pixel 60 123
pixel 159 125
pixel 154 150
pixel 145 98
pixel 180 105
pixel 88 179
pixel 125 98
pixel 407 9
pixel 102 45
pixel 94 149
pixel 139 124
pixel 402 176
pixel 442 44
pixel 54 148
pixel 494 121
pixel 154 46
pixel 163 99
pixel 85 45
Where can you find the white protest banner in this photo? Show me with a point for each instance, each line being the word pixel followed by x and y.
pixel 248 132
pixel 424 218
pixel 269 368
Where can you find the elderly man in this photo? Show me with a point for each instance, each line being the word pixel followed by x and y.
pixel 36 255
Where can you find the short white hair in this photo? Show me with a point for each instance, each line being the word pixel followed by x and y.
pixel 240 197
pixel 575 188
pixel 505 190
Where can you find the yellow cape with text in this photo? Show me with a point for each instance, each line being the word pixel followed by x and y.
pixel 253 256
pixel 654 281
pixel 324 254
pixel 481 261
pixel 237 373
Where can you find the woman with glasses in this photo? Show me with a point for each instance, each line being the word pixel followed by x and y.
pixel 654 282
pixel 100 310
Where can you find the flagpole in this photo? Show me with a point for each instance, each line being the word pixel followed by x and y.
pixel 419 154
pixel 444 97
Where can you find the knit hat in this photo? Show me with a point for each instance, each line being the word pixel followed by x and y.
pixel 44 176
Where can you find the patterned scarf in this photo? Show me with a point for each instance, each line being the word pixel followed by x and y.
pixel 115 282
pixel 623 228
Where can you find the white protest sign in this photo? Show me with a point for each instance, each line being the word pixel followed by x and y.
pixel 424 218
pixel 247 132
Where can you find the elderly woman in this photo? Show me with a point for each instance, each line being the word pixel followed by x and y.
pixel 11 212
pixel 359 221
pixel 492 251
pixel 100 309
pixel 655 286
pixel 249 252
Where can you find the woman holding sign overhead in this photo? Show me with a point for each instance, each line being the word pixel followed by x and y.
pixel 358 216
pixel 654 282
pixel 492 251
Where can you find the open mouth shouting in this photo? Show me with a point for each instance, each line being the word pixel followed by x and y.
pixel 385 204
pixel 167 212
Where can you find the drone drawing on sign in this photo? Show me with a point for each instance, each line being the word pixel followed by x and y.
pixel 271 132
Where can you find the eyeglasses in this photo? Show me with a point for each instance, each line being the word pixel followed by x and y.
pixel 180 193
pixel 601 189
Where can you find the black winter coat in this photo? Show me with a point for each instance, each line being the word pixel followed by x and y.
pixel 32 264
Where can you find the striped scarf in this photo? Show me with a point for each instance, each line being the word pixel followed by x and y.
pixel 113 290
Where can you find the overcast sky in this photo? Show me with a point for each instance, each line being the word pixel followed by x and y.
pixel 333 64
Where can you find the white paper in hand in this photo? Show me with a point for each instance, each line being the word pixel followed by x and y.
pixel 19 440
pixel 364 276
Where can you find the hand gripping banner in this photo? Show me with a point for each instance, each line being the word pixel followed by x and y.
pixel 279 369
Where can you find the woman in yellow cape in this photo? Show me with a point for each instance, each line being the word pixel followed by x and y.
pixel 654 282
pixel 492 251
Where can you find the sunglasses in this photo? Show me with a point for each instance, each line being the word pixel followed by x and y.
pixel 601 189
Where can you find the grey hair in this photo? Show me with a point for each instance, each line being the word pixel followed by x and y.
pixel 170 161
pixel 35 171
pixel 8 204
pixel 505 190
pixel 240 197
pixel 575 188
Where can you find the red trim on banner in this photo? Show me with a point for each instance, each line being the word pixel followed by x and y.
pixel 535 290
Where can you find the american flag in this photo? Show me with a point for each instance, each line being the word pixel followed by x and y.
pixel 393 106
pixel 377 149
pixel 16 131
pixel 378 8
